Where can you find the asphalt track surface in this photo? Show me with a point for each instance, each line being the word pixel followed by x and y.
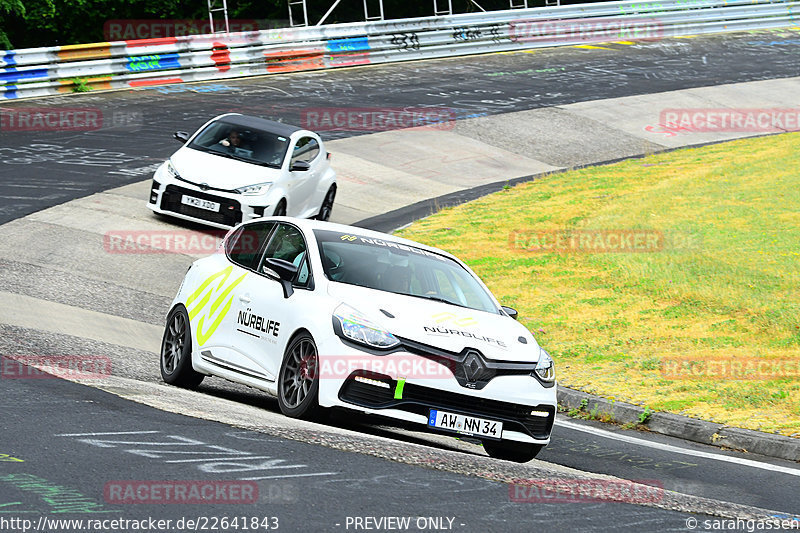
pixel 307 487
pixel 136 135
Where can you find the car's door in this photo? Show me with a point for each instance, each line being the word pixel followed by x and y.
pixel 303 183
pixel 236 343
pixel 270 317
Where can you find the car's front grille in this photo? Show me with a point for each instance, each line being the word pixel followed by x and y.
pixel 419 400
pixel 230 211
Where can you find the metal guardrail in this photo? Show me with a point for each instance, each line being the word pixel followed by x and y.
pixel 136 63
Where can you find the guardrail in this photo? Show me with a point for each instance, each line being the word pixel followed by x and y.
pixel 136 63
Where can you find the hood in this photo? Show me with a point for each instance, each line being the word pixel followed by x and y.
pixel 218 171
pixel 444 326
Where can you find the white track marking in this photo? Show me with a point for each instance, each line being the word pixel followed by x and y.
pixel 289 475
pixel 677 449
pixel 107 433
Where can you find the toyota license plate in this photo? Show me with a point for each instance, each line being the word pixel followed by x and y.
pixel 466 425
pixel 200 203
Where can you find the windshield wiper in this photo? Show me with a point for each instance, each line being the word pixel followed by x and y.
pixel 438 299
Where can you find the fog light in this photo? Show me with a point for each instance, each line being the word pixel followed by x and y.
pixel 373 382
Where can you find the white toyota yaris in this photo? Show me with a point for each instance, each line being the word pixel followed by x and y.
pixel 324 315
pixel 237 168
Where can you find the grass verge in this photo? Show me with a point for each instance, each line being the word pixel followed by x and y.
pixel 702 319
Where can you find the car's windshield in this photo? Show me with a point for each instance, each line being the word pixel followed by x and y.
pixel 399 268
pixel 243 143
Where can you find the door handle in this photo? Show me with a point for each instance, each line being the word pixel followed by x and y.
pixel 244 299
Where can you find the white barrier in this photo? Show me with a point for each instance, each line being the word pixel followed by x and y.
pixel 136 63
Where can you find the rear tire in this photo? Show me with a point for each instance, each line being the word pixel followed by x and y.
pixel 298 379
pixel 327 204
pixel 176 351
pixel 518 452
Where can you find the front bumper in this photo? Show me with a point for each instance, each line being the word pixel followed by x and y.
pixel 526 408
pixel 166 199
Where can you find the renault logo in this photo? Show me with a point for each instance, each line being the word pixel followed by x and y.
pixel 348 237
pixel 473 367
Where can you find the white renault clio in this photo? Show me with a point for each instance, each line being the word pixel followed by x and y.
pixel 324 315
pixel 237 168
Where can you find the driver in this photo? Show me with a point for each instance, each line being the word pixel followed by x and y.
pixel 234 139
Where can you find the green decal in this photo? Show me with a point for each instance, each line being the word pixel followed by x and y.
pixel 398 390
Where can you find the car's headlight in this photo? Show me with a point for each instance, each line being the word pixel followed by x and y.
pixel 357 328
pixel 171 171
pixel 251 190
pixel 545 368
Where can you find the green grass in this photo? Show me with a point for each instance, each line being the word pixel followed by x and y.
pixel 722 284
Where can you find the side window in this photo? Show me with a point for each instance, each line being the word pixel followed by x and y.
pixel 244 245
pixel 306 149
pixel 287 243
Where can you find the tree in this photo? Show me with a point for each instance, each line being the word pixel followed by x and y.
pixel 8 7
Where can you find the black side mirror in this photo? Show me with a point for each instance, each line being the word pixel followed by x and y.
pixel 181 136
pixel 300 166
pixel 510 311
pixel 281 270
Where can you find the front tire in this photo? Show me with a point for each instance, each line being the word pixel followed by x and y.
pixel 280 209
pixel 326 208
pixel 298 380
pixel 176 351
pixel 518 452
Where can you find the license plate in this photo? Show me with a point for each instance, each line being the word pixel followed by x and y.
pixel 466 425
pixel 200 203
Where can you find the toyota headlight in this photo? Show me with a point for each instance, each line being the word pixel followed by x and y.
pixel 252 190
pixel 356 327
pixel 171 171
pixel 545 367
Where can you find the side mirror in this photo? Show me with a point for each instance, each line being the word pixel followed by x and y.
pixel 282 271
pixel 300 166
pixel 181 136
pixel 510 311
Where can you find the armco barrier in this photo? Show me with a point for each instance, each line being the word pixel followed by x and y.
pixel 136 63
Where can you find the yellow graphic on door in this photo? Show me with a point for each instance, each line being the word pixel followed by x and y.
pixel 222 299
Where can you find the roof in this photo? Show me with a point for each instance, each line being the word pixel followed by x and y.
pixel 247 121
